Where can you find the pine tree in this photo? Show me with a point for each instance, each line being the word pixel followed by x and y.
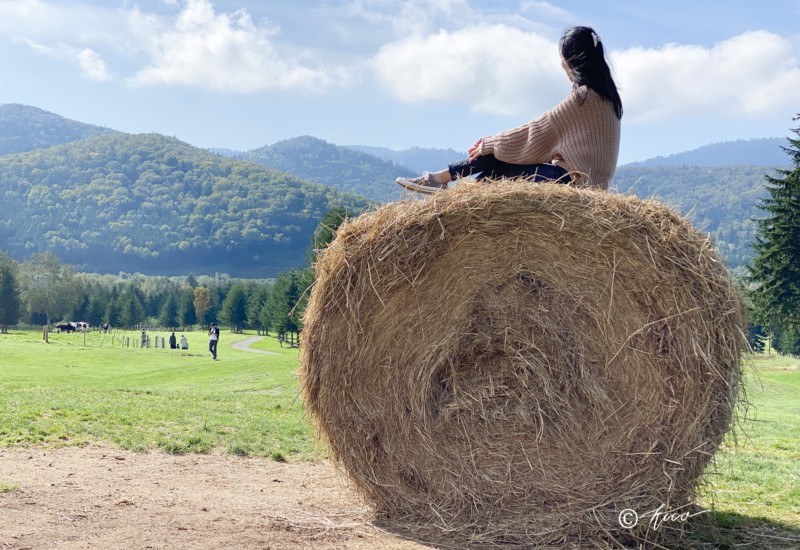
pixel 775 271
pixel 9 293
pixel 187 316
pixel 786 340
pixel 168 316
pixel 234 308
pixel 756 336
pixel 255 304
pixel 280 306
pixel 94 310
pixel 130 310
pixel 326 230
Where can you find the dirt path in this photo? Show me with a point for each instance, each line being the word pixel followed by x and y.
pixel 244 345
pixel 106 498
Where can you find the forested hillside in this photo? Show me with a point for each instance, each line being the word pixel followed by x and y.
pixel 340 167
pixel 117 202
pixel 710 184
pixel 744 152
pixel 153 204
pixel 418 159
pixel 24 128
pixel 720 200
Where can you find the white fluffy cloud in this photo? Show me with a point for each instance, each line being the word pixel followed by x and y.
pixel 447 51
pixel 221 51
pixel 194 46
pixel 93 65
pixel 754 73
pixel 500 69
pixel 493 68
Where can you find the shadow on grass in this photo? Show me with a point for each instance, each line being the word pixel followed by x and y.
pixel 711 531
pixel 728 530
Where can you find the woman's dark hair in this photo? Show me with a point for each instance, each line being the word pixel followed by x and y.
pixel 583 52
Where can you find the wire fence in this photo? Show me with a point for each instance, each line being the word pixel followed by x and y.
pixel 141 337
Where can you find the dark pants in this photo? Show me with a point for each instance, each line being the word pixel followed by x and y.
pixel 488 167
pixel 212 347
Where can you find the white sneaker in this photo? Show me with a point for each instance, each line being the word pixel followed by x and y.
pixel 423 184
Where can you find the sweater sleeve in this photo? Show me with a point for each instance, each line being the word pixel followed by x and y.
pixel 531 143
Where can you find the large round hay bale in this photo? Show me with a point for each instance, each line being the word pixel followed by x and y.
pixel 520 363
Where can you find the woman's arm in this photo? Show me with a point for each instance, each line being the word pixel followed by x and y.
pixel 530 143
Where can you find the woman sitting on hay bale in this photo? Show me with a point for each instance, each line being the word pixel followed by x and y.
pixel 575 142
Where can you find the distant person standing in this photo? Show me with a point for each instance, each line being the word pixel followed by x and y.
pixel 184 342
pixel 213 339
pixel 173 342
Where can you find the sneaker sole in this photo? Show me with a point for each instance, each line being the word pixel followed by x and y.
pixel 416 187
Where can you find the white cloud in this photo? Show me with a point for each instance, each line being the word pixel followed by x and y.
pixel 52 23
pixel 493 68
pixel 501 69
pixel 221 51
pixel 14 12
pixel 90 62
pixel 419 50
pixel 754 73
pixel 93 65
pixel 546 10
pixel 193 46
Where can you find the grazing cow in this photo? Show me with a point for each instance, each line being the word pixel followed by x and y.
pixel 65 327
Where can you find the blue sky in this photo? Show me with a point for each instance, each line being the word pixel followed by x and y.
pixel 433 73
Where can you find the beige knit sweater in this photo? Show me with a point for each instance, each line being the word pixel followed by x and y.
pixel 581 134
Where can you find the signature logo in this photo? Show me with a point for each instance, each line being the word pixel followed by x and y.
pixel 629 518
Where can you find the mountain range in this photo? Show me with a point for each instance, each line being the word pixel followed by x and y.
pixel 743 152
pixel 340 167
pixel 150 203
pixel 107 201
pixel 24 128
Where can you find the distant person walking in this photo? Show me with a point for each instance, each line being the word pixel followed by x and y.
pixel 173 342
pixel 213 339
pixel 184 342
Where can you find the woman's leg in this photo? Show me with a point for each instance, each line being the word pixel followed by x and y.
pixel 485 165
pixel 490 168
pixel 537 172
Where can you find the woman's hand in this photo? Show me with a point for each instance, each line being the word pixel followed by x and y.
pixel 475 151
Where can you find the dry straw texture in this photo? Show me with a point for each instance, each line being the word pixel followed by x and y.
pixel 518 363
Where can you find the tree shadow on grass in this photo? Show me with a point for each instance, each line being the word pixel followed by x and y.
pixel 709 531
pixel 728 530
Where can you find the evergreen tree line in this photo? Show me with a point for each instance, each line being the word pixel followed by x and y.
pixel 45 291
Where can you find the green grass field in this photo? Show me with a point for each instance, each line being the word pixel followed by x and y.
pixel 753 487
pixel 70 393
pixel 80 390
